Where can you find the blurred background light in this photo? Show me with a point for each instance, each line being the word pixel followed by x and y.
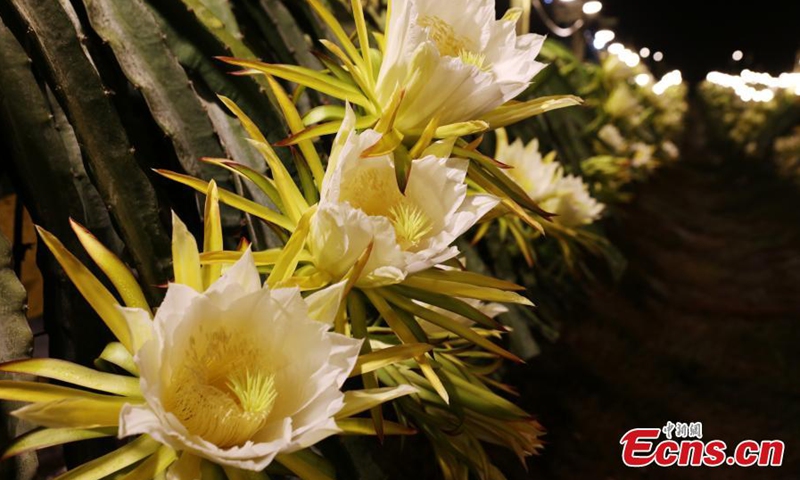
pixel 738 55
pixel 616 48
pixel 643 79
pixel 605 36
pixel 592 8
pixel 602 38
pixel 632 60
pixel 672 79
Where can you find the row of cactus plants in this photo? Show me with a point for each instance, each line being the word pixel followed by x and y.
pixel 99 95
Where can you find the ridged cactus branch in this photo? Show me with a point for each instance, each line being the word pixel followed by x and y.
pixel 197 58
pixel 223 10
pixel 97 218
pixel 16 342
pixel 124 187
pixel 281 31
pixel 136 39
pixel 304 14
pixel 39 158
pixel 231 38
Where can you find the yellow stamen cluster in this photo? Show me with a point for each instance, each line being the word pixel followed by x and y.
pixel 475 59
pixel 217 393
pixel 374 191
pixel 411 224
pixel 255 391
pixel 450 44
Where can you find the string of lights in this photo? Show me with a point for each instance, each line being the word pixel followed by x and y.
pixel 603 39
pixel 752 86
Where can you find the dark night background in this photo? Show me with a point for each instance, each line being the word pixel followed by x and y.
pixel 698 36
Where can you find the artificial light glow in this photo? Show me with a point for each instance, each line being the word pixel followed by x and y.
pixel 592 8
pixel 643 79
pixel 630 58
pixel 658 56
pixel 768 86
pixel 672 79
pixel 616 48
pixel 626 56
pixel 746 95
pixel 603 37
pixel 766 95
pixel 738 55
pixel 644 53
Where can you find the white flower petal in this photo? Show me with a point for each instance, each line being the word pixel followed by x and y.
pixel 409 231
pixel 437 186
pixel 437 249
pixel 283 304
pixel 471 211
pixel 324 304
pixel 345 156
pixel 204 346
pixel 340 234
pixel 311 437
pixel 239 280
pixel 453 59
pixel 140 326
pixel 544 181
pixel 178 298
pixel 138 419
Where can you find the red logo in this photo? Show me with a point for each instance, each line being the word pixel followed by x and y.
pixel 642 447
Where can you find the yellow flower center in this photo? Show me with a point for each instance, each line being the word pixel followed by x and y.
pixel 218 392
pixel 410 224
pixel 451 44
pixel 255 392
pixel 374 191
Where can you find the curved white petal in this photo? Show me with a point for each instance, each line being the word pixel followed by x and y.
pixel 240 381
pixel 239 280
pixel 543 179
pixel 453 59
pixel 140 326
pixel 324 304
pixel 409 231
pixel 437 249
pixel 139 419
pixel 178 298
pixel 438 186
pixel 345 156
pixel 574 205
pixel 340 234
pixel 311 437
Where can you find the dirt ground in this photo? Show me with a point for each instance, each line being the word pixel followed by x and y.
pixel 29 273
pixel 705 327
